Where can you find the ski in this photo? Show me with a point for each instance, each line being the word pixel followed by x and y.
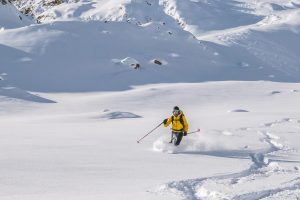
pixel 198 130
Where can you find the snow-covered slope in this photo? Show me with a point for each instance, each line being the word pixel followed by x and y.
pixel 204 17
pixel 84 147
pixel 228 64
pixel 135 11
pixel 265 30
pixel 96 36
pixel 11 17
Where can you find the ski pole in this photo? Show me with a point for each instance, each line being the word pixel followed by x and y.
pixel 198 130
pixel 150 132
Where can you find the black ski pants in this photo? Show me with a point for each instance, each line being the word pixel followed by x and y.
pixel 178 137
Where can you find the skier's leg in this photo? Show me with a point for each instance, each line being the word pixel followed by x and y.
pixel 179 138
pixel 172 137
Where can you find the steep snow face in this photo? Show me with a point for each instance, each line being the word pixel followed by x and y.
pixel 195 16
pixel 105 56
pixel 134 11
pixel 201 17
pixel 99 56
pixel 47 11
pixel 11 17
pixel 112 45
pixel 266 30
pixel 243 41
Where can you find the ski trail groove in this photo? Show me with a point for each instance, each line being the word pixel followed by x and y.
pixel 249 183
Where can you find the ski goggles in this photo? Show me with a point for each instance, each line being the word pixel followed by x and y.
pixel 176 112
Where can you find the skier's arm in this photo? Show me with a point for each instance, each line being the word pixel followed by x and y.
pixel 168 122
pixel 186 125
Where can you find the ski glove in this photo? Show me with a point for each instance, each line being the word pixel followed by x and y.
pixel 165 121
pixel 185 133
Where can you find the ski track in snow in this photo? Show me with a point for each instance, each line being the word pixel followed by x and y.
pixel 248 184
pixel 264 146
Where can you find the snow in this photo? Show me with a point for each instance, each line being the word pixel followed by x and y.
pixel 70 152
pixel 11 17
pixel 78 90
pixel 120 115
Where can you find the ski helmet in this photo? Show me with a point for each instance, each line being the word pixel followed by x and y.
pixel 176 111
pixel 175 108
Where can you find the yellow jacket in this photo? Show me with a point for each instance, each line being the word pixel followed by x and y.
pixel 177 125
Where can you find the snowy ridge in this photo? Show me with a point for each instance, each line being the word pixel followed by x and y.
pixel 145 31
pixel 221 20
pixel 96 68
pixel 137 12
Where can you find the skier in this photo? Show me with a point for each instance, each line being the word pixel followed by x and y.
pixel 179 125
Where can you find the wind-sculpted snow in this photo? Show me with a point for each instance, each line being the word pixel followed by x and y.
pixel 199 17
pixel 119 115
pixel 239 111
pixel 10 92
pixel 16 93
